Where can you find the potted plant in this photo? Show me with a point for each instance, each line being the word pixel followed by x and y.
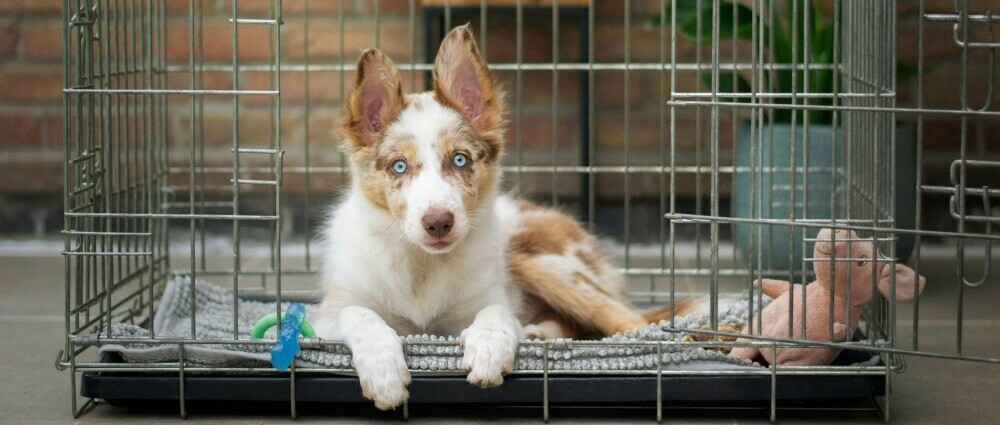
pixel 768 147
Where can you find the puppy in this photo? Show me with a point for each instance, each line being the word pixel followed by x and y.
pixel 424 243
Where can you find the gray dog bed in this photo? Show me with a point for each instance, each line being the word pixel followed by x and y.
pixel 214 315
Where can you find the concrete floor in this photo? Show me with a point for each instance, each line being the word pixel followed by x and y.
pixel 930 391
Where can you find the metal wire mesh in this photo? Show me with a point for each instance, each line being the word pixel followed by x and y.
pixel 141 202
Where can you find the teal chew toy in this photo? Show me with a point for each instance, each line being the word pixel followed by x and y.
pixel 287 345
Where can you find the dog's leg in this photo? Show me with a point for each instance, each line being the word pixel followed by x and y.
pixel 549 325
pixel 575 297
pixel 377 354
pixel 490 344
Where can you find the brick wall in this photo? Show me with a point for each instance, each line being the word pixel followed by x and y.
pixel 30 115
pixel 30 98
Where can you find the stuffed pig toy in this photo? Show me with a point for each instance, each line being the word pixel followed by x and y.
pixel 863 273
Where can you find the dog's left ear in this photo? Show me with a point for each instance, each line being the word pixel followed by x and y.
pixel 377 99
pixel 462 81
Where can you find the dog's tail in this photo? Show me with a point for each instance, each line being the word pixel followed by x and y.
pixel 665 312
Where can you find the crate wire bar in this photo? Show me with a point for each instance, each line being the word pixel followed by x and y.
pixel 133 185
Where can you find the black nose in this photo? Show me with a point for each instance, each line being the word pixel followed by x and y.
pixel 437 222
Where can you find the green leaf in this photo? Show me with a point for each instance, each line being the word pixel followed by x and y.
pixel 688 12
pixel 906 71
pixel 726 85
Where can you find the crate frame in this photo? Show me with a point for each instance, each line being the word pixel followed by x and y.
pixel 120 203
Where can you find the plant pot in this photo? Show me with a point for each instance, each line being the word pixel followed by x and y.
pixel 765 191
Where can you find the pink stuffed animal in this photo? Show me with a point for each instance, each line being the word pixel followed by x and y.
pixel 863 272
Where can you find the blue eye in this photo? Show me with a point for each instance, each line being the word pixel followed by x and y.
pixel 399 167
pixel 460 160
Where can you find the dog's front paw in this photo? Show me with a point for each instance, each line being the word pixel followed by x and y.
pixel 383 374
pixel 489 354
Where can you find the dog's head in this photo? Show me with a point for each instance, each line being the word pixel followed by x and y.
pixel 430 160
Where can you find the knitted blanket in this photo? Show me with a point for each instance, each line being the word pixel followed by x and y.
pixel 213 307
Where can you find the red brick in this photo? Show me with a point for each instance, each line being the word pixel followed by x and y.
pixel 255 129
pixel 38 175
pixel 182 7
pixel 687 82
pixel 942 86
pixel 390 6
pixel 609 43
pixel 650 8
pixel 938 43
pixel 644 130
pixel 320 184
pixel 609 8
pixel 610 126
pixel 945 134
pixel 20 130
pixel 257 8
pixel 536 132
pixel 8 39
pixel 218 186
pixel 324 135
pixel 34 84
pixel 254 41
pixel 536 40
pixel 261 8
pixel 536 87
pixel 315 6
pixel 324 86
pixel 30 6
pixel 609 88
pixel 948 6
pixel 42 40
pixel 612 185
pixel 212 80
pixel 52 130
pixel 324 40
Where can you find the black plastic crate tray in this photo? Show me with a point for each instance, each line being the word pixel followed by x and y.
pixel 132 388
pixel 126 388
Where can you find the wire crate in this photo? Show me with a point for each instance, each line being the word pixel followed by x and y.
pixel 746 145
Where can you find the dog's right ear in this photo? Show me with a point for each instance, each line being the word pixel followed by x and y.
pixel 376 100
pixel 463 82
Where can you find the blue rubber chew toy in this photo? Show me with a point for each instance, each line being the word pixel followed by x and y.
pixel 287 345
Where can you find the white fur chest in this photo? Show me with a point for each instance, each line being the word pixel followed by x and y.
pixel 369 264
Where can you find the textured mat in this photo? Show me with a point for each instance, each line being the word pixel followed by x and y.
pixel 214 305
